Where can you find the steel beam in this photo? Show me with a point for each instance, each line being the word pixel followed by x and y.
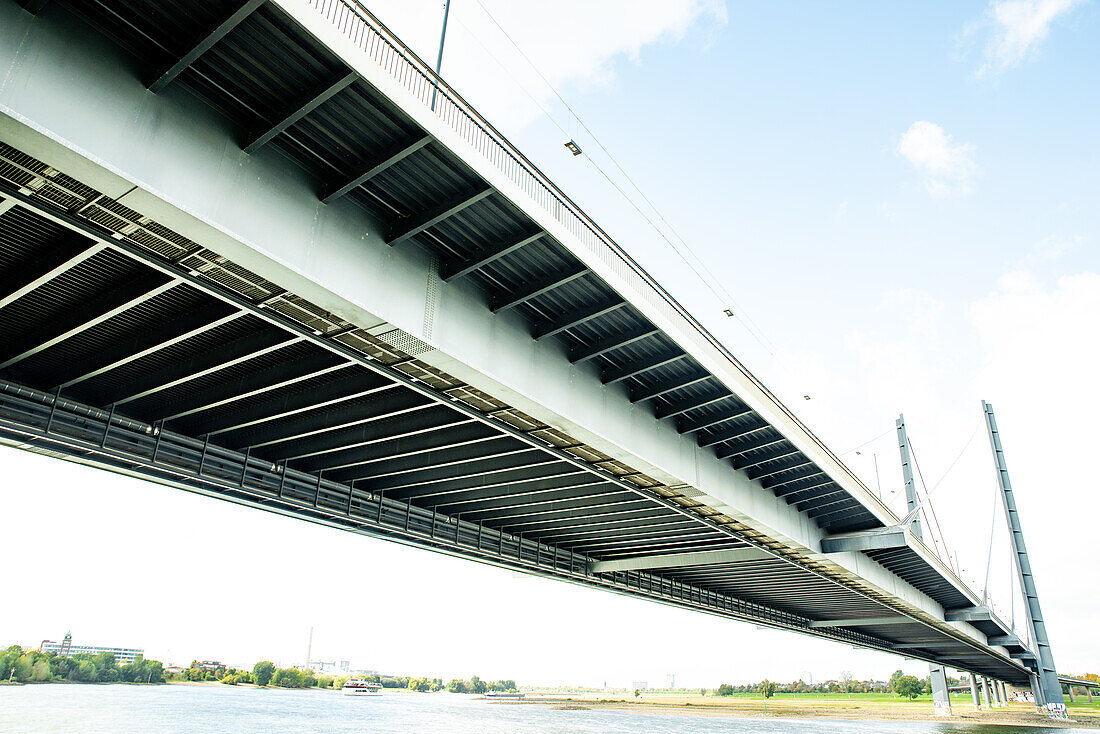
pixel 356 385
pixel 772 482
pixel 732 433
pixel 747 462
pixel 548 468
pixel 384 429
pixel 761 472
pixel 576 317
pixel 190 324
pixel 279 376
pixel 728 452
pixel 301 108
pixel 481 468
pixel 383 161
pixel 928 645
pixel 611 518
pixel 387 401
pixel 404 229
pixel 409 446
pixel 203 44
pixel 444 452
pixel 668 386
pixel 679 560
pixel 968 614
pixel 86 315
pixel 459 268
pixel 861 622
pixel 205 363
pixel 689 404
pixel 633 369
pixel 535 288
pixel 714 419
pixel 610 344
pixel 826 515
pixel 794 492
pixel 1006 641
pixel 498 498
pixel 864 541
pixel 535 494
pixel 30 276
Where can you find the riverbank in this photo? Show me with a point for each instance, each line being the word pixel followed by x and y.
pixel 1016 714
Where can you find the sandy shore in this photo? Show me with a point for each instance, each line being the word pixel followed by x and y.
pixel 1018 714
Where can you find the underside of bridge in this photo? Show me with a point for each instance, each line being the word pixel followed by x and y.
pixel 126 345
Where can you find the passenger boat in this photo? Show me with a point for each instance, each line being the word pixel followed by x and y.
pixel 362 688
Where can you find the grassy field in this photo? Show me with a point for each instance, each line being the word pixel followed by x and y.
pixel 878 706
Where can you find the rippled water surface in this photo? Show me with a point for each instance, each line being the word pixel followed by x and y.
pixel 116 709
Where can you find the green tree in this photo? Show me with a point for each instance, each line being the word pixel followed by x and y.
pixel 457 685
pixel 40 671
pixel 262 672
pixel 477 685
pixel 894 679
pixel 909 686
pixel 768 688
pixel 725 690
pixel 85 671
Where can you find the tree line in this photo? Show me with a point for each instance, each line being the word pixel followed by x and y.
pixel 266 673
pixel 907 686
pixel 31 666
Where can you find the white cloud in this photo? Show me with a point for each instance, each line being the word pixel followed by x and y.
pixel 1048 250
pixel 573 43
pixel 1017 28
pixel 947 167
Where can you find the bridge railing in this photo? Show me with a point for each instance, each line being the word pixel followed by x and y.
pixel 406 67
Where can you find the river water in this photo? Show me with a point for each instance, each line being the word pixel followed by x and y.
pixel 121 709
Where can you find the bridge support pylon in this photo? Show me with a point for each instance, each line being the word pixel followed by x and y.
pixel 986 693
pixel 941 697
pixel 974 692
pixel 1045 683
pixel 998 697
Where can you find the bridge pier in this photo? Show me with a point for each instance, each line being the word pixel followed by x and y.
pixel 998 696
pixel 941 697
pixel 974 692
pixel 1004 692
pixel 1071 698
pixel 1037 692
pixel 986 693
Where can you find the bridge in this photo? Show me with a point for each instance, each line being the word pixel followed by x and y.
pixel 260 251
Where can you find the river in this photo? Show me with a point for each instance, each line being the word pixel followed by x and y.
pixel 122 709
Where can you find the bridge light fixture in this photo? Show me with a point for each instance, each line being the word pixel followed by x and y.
pixel 806 396
pixel 572 147
pixel 727 312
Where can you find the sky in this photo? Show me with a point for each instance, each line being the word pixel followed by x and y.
pixel 897 201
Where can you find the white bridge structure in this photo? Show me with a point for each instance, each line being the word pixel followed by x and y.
pixel 258 250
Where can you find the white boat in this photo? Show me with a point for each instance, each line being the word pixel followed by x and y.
pixel 362 688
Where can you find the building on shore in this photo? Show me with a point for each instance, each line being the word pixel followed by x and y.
pixel 66 649
pixel 209 666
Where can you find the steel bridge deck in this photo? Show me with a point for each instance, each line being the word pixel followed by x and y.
pixel 128 346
